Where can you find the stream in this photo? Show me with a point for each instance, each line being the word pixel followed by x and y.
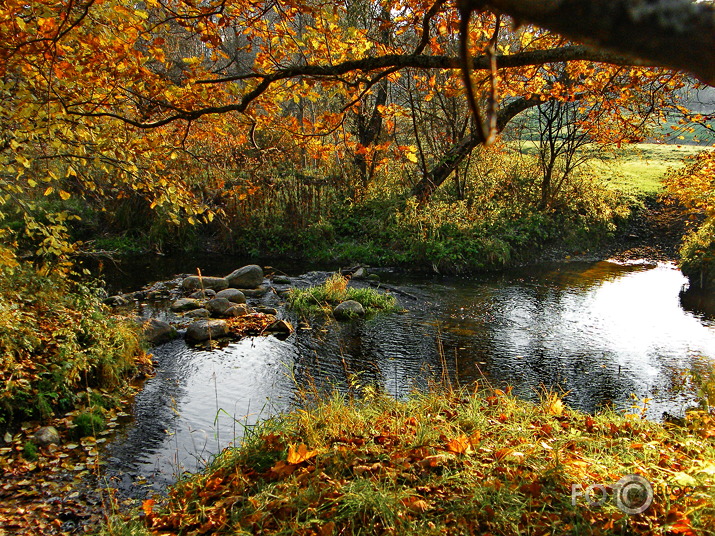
pixel 601 332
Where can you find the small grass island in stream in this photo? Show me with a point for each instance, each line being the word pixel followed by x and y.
pixel 449 462
pixel 323 298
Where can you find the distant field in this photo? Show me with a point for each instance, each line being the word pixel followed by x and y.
pixel 637 168
pixel 640 168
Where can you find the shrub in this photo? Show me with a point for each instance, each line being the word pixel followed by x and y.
pixel 57 339
pixel 697 256
pixel 29 451
pixel 87 424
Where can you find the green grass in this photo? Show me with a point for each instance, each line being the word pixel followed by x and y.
pixel 636 168
pixel 639 168
pixel 322 298
pixel 446 463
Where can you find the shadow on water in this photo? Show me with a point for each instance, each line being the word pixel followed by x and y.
pixel 597 331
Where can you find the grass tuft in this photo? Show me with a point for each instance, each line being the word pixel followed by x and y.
pixel 322 298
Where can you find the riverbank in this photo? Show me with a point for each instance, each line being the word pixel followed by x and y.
pixel 448 462
pixel 66 372
pixel 32 478
pixel 653 233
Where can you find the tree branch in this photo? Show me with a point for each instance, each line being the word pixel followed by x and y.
pixel 679 34
pixel 395 61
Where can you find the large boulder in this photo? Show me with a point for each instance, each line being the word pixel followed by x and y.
pixel 218 306
pixel 185 304
pixel 158 332
pixel 250 276
pixel 194 282
pixel 203 330
pixel 233 295
pixel 348 309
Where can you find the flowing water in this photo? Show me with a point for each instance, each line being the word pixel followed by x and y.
pixel 601 332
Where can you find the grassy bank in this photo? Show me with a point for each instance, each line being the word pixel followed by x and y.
pixel 446 463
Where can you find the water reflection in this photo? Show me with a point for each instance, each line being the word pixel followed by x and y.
pixel 599 331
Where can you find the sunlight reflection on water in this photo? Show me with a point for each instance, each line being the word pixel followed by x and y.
pixel 600 331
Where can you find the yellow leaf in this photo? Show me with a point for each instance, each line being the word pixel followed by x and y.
pixel 299 454
pixel 65 195
pixel 412 157
pixel 49 190
pixel 555 406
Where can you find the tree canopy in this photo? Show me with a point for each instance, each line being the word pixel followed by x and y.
pixel 164 101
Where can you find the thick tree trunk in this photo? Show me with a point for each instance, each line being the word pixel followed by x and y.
pixel 368 132
pixel 424 189
pixel 674 33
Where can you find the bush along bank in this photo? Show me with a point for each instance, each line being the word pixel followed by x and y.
pixel 65 379
pixel 448 463
pixel 448 237
pixel 59 343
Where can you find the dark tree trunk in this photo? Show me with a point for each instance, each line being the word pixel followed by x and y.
pixel 368 132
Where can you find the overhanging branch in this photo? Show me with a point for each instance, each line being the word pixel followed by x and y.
pixel 372 64
pixel 679 34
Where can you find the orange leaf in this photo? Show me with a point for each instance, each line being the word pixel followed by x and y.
pixel 555 406
pixel 299 454
pixel 148 507
pixel 282 469
pixel 459 445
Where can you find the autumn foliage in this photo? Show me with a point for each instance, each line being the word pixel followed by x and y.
pixel 185 113
pixel 694 187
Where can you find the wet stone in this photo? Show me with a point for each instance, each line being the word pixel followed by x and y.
pixel 46 436
pixel 203 330
pixel 233 295
pixel 185 304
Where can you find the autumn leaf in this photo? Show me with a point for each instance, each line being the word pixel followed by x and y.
pixel 148 507
pixel 554 406
pixel 282 469
pixel 299 454
pixel 463 444
pixel 415 504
